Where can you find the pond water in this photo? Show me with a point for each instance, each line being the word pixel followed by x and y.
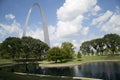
pixel 102 70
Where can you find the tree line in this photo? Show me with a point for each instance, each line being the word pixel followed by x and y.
pixel 20 48
pixel 109 44
pixel 28 47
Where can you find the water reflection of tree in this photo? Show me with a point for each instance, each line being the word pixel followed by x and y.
pixel 66 71
pixel 105 70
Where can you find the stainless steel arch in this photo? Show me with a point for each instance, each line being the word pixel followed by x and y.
pixel 45 28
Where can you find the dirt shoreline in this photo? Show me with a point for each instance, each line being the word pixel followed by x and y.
pixel 71 64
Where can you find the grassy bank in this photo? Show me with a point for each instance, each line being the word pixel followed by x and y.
pixel 5 61
pixel 71 62
pixel 80 61
pixel 19 76
pixel 110 57
pixel 13 76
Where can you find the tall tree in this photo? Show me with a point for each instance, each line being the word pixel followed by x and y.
pixel 0 51
pixel 85 48
pixel 54 54
pixel 112 42
pixel 69 49
pixel 79 55
pixel 99 45
pixel 34 47
pixel 11 48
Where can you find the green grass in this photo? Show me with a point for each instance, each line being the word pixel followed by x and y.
pixel 5 61
pixel 74 61
pixel 110 57
pixel 13 76
pixel 79 61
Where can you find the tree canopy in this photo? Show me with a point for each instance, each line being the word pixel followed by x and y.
pixel 54 54
pixel 62 53
pixel 26 47
pixel 109 44
pixel 68 48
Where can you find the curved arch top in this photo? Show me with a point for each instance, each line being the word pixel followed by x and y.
pixel 45 28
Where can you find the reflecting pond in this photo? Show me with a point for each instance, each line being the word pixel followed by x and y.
pixel 102 70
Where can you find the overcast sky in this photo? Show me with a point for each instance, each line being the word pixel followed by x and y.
pixel 68 20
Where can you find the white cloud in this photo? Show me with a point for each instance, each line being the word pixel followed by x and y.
pixel 9 16
pixel 52 30
pixel 85 30
pixel 117 11
pixel 72 8
pixel 66 28
pixel 109 21
pixel 97 8
pixel 37 33
pixel 76 45
pixel 113 25
pixel 70 17
pixel 14 27
pixel 102 18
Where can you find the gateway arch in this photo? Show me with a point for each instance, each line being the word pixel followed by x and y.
pixel 45 28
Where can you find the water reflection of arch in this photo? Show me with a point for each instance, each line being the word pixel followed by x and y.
pixel 45 28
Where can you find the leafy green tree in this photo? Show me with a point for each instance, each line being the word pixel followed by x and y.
pixel 33 48
pixel 40 49
pixel 27 47
pixel 107 51
pixel 54 54
pixel 79 55
pixel 100 45
pixel 0 51
pixel 68 48
pixel 85 48
pixel 109 43
pixel 11 48
pixel 112 42
pixel 95 45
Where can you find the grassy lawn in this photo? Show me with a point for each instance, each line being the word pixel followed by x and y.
pixel 76 61
pixel 5 61
pixel 110 57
